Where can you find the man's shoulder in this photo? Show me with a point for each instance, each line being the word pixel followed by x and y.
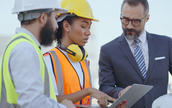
pixel 24 48
pixel 159 36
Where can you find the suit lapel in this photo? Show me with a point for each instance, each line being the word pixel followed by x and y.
pixel 127 52
pixel 151 50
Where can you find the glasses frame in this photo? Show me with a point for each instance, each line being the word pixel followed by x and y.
pixel 132 21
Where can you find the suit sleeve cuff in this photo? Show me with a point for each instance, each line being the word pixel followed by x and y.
pixel 117 92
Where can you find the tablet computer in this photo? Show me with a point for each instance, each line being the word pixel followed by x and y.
pixel 133 94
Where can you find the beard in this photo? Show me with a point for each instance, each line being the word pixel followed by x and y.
pixel 47 34
pixel 131 34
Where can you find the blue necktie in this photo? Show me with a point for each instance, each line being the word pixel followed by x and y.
pixel 138 54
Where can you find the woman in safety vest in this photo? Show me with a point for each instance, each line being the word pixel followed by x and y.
pixel 67 62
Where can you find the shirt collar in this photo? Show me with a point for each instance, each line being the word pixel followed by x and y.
pixel 142 37
pixel 23 30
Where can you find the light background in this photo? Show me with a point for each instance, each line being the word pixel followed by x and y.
pixel 108 27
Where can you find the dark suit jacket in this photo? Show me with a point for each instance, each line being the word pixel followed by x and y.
pixel 118 68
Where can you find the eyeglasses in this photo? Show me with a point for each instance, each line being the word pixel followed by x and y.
pixel 135 22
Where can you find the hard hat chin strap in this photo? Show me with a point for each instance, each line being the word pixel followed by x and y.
pixel 30 15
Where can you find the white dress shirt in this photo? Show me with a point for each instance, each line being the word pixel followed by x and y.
pixel 144 47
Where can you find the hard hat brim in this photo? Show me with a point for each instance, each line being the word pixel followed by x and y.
pixel 60 10
pixel 64 15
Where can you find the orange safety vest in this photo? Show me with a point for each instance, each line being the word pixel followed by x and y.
pixel 67 79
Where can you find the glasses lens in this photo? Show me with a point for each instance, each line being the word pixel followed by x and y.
pixel 125 21
pixel 136 22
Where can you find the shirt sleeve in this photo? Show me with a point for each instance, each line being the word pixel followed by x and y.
pixel 24 67
pixel 107 82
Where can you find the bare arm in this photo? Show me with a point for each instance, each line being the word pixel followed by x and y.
pixel 100 96
pixel 68 104
pixel 74 97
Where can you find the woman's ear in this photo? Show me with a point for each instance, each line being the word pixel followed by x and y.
pixel 66 26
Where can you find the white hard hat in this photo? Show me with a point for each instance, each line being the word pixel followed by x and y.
pixel 28 5
pixel 163 101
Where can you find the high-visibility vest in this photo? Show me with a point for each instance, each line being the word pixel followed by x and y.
pixel 67 79
pixel 9 99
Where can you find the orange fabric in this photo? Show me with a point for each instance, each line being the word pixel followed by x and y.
pixel 70 78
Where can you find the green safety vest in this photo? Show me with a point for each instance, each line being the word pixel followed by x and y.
pixel 5 78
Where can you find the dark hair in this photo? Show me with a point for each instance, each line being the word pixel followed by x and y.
pixel 137 2
pixel 59 33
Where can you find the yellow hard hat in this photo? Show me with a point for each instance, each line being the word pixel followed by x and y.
pixel 80 8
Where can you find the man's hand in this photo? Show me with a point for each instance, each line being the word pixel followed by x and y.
pixel 101 97
pixel 68 103
pixel 124 90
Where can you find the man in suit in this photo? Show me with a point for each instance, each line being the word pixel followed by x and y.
pixel 135 57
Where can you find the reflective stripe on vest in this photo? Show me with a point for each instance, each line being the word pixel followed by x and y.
pixel 66 76
pixel 11 95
